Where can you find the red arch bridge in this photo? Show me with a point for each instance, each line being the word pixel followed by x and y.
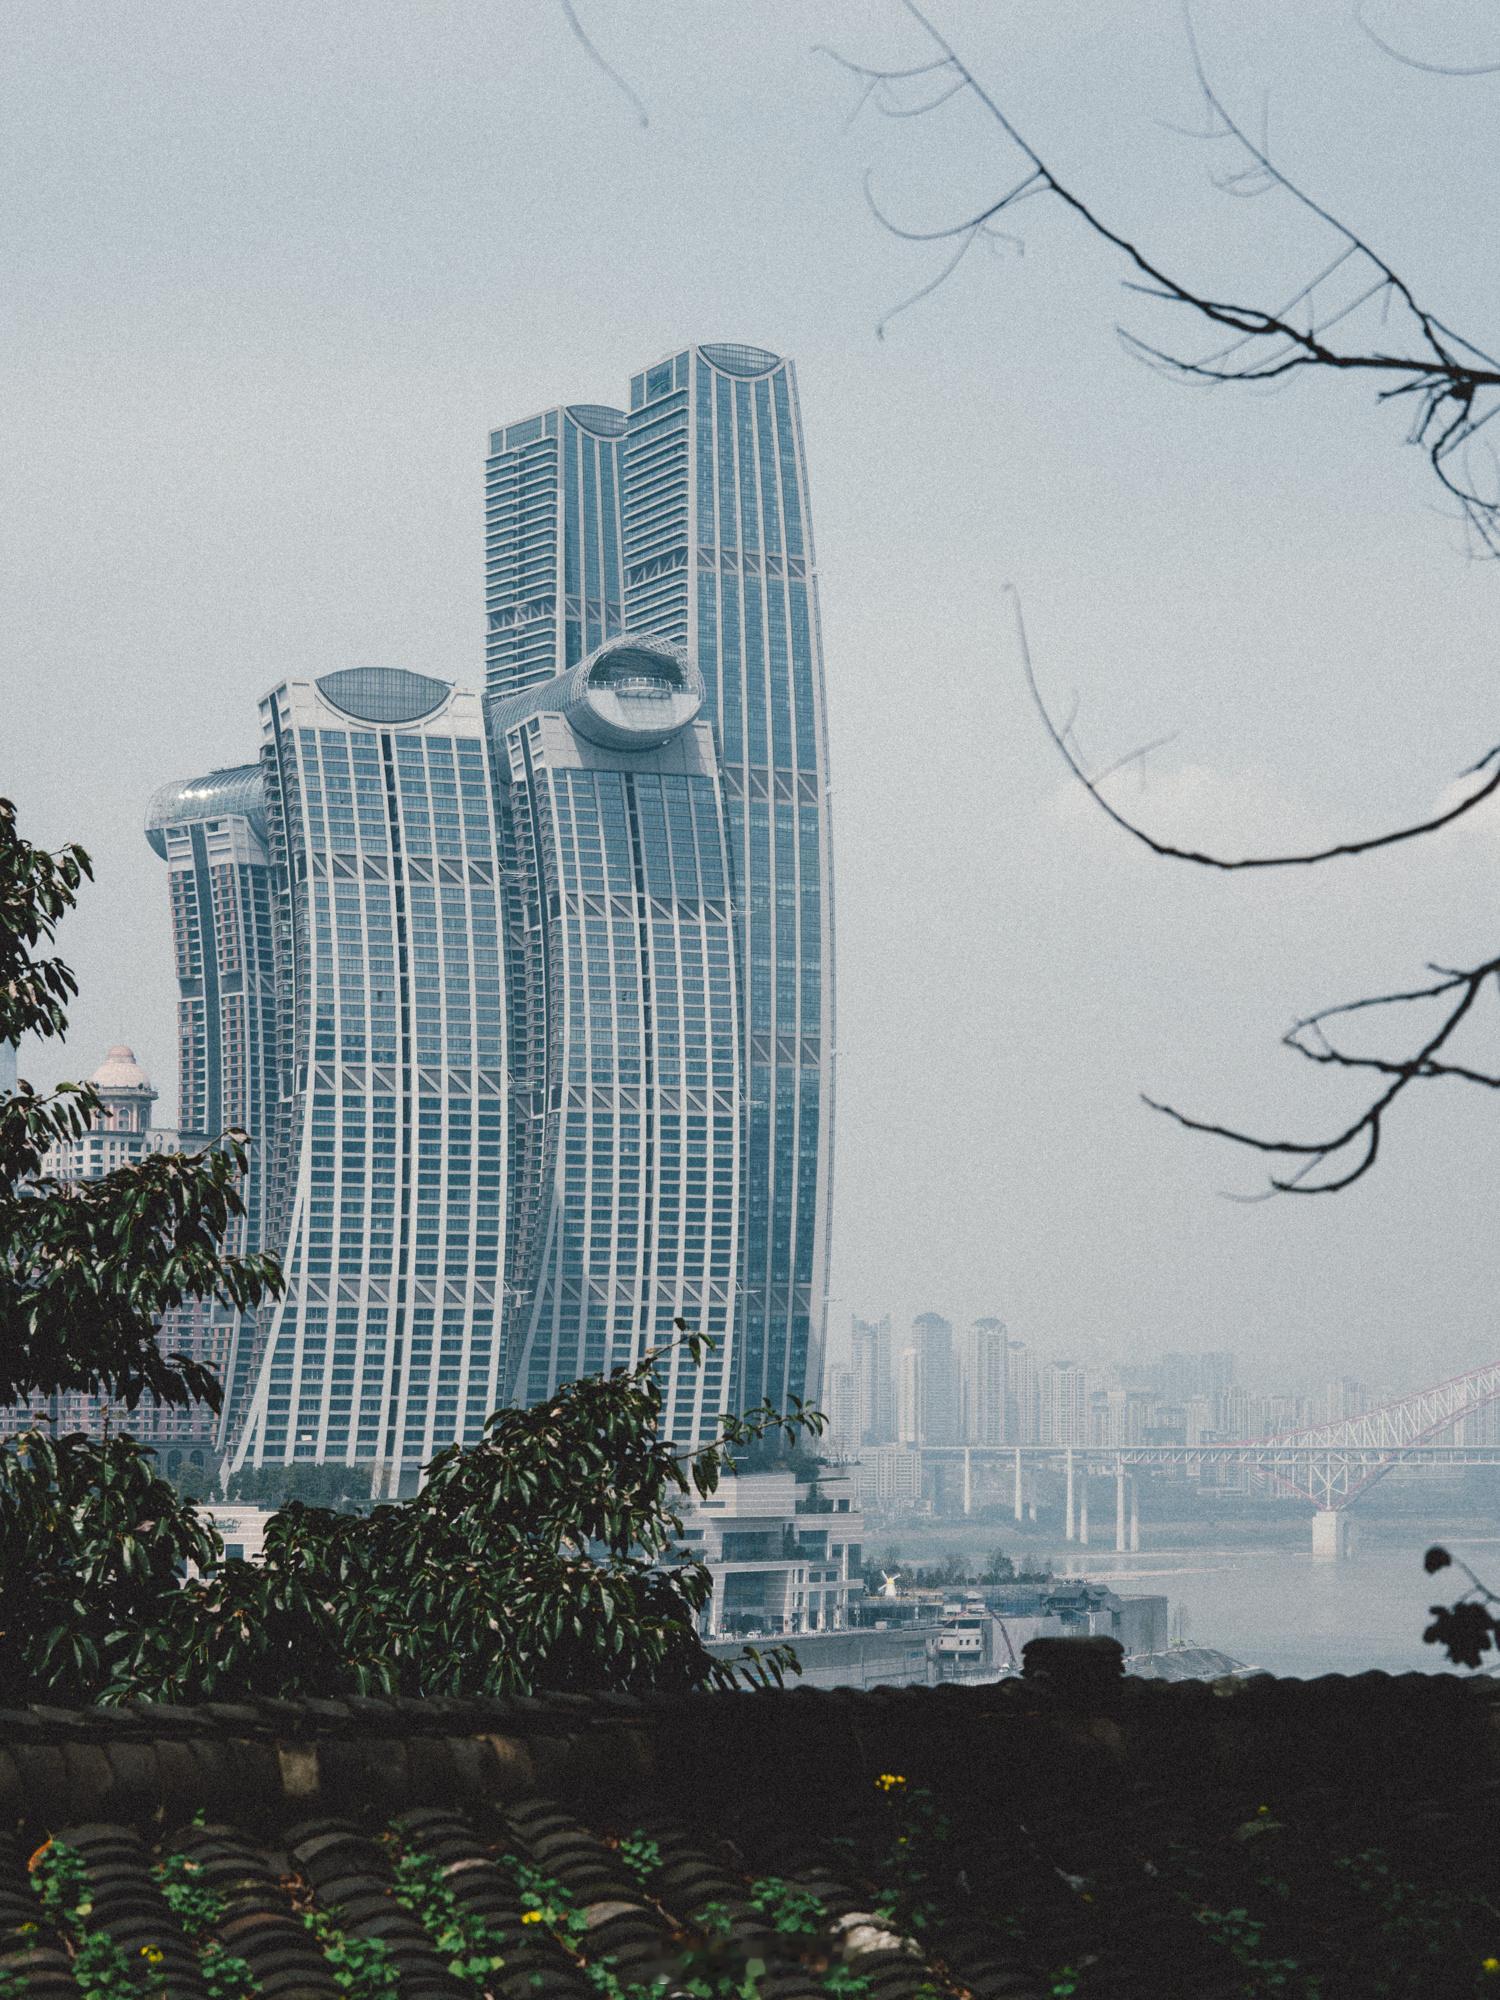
pixel 1325 1466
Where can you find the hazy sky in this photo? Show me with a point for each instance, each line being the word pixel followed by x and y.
pixel 273 270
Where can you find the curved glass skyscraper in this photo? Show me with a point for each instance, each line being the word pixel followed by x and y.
pixel 624 1028
pixel 385 1183
pixel 211 832
pixel 695 499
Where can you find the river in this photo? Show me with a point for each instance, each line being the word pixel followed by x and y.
pixel 1277 1606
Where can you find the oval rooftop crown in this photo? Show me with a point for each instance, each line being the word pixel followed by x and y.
pixel 633 694
pixel 736 359
pixel 383 694
pixel 238 790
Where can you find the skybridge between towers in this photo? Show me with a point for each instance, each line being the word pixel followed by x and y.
pixel 1325 1466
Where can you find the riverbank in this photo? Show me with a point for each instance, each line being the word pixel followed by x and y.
pixel 1263 1597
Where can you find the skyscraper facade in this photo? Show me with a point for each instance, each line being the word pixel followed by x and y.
pixel 211 832
pixel 685 518
pixel 554 571
pixel 385 1178
pixel 984 1382
pixel 625 1064
pixel 872 1356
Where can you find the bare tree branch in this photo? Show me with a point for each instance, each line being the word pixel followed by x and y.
pixel 604 67
pixel 1455 389
pixel 1363 1135
pixel 1228 863
pixel 1414 62
pixel 1455 385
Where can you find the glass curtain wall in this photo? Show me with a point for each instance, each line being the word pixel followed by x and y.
pixel 387 1179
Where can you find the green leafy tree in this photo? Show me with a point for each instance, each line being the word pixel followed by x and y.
pixel 346 1488
pixel 88 1269
pixel 542 1556
pixel 93 1545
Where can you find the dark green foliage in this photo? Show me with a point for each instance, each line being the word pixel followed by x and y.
pixel 37 890
pixel 92 1546
pixel 87 1270
pixel 533 1558
pixel 344 1488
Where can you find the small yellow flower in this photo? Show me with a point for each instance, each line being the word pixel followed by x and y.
pixel 153 1954
pixel 531 1916
pixel 889 1780
pixel 1490 1965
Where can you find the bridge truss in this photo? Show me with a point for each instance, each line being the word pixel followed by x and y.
pixel 1326 1466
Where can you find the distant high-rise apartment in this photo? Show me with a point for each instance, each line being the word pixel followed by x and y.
pixel 625 1021
pixel 685 518
pixel 1022 1394
pixel 841 1406
pixel 1064 1404
pixel 872 1358
pixel 384 1182
pixel 211 832
pixel 984 1382
pixel 930 1384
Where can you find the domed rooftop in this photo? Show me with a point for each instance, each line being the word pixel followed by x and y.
pixel 120 1071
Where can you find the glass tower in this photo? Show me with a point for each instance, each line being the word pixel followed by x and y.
pixel 211 832
pixel 554 583
pixel 696 500
pixel 384 1195
pixel 624 1028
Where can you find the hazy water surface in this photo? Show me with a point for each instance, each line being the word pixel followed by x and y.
pixel 1278 1607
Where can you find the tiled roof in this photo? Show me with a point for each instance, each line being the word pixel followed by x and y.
pixel 1066 1820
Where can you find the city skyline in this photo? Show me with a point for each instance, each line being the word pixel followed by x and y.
pixel 247 442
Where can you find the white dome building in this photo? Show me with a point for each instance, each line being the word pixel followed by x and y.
pixel 126 1091
pixel 123 1130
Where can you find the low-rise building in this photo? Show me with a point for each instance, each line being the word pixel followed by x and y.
pixel 785 1553
pixel 242 1530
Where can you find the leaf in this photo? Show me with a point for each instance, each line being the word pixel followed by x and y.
pixel 1435 1559
pixel 1465 1630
